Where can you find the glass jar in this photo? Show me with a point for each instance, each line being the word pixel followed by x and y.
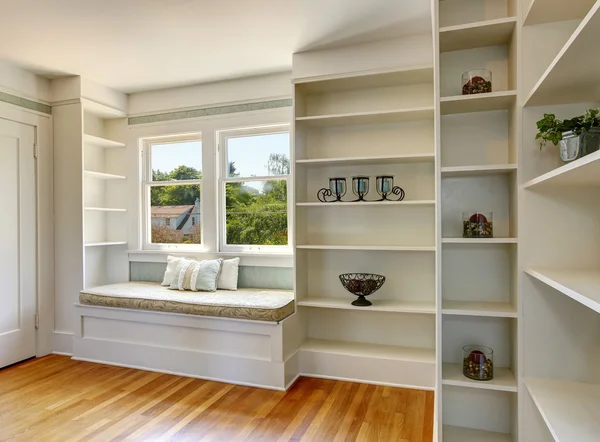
pixel 478 81
pixel 478 362
pixel 478 225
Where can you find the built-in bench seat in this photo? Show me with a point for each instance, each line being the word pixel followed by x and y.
pixel 245 303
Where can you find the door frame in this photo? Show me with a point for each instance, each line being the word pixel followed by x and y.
pixel 42 124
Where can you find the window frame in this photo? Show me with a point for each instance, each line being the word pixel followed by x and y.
pixel 222 179
pixel 147 184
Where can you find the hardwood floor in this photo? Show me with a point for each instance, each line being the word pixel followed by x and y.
pixel 57 399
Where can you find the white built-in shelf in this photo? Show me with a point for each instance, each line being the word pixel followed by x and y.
pixel 477 35
pixel 463 171
pixel 461 434
pixel 103 176
pixel 368 160
pixel 492 101
pixel 550 11
pixel 377 351
pixel 103 209
pixel 571 410
pixel 480 240
pixel 369 203
pixel 582 172
pixel 367 80
pixel 562 83
pixel 375 117
pixel 378 305
pixel 101 142
pixel 101 110
pixel 105 243
pixel 579 285
pixel 367 248
pixel 504 379
pixel 479 308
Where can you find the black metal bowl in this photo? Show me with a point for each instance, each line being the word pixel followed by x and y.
pixel 361 285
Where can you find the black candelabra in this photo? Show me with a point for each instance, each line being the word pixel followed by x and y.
pixel 360 187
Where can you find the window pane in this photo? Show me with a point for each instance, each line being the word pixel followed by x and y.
pixel 176 161
pixel 256 213
pixel 259 155
pixel 175 214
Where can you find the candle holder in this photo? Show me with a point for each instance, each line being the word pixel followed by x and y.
pixel 385 187
pixel 337 189
pixel 360 187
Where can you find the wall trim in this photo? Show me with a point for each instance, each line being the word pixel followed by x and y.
pixel 210 111
pixel 25 103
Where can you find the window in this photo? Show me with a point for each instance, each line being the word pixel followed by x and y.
pixel 172 189
pixel 255 169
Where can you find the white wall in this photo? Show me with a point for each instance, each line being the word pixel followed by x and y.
pixel 22 83
pixel 259 88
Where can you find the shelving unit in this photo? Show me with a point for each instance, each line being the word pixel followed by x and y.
pixel 380 306
pixel 336 116
pixel 492 101
pixel 479 308
pixel 504 379
pixel 560 280
pixel 105 224
pixel 479 156
pixel 477 35
pixel 464 171
pixel 560 84
pixel 368 160
pixel 569 409
pixel 378 117
pixel 581 286
pixel 548 11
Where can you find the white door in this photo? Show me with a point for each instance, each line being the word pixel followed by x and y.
pixel 18 270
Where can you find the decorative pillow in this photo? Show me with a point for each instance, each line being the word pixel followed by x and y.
pixel 228 280
pixel 197 275
pixel 180 270
pixel 172 262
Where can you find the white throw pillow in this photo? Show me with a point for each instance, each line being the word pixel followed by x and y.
pixel 180 270
pixel 228 279
pixel 172 262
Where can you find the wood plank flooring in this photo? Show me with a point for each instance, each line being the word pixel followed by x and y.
pixel 57 399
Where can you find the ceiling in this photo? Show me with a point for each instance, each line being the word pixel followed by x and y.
pixel 135 45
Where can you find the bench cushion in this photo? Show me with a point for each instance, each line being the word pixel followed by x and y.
pixel 254 304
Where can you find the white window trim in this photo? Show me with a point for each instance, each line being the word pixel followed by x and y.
pixel 223 179
pixel 147 183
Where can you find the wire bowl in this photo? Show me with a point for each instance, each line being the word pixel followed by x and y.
pixel 361 285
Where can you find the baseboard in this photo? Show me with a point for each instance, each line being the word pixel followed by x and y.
pixel 62 343
pixel 60 353
pixel 364 381
pixel 292 382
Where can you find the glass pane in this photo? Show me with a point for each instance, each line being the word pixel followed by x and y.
pixel 176 161
pixel 256 213
pixel 259 155
pixel 175 214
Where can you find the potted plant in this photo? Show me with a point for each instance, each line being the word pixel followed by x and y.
pixel 575 137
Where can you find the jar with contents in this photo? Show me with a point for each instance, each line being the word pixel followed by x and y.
pixel 478 225
pixel 478 81
pixel 478 362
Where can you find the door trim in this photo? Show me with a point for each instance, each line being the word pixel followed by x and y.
pixel 44 210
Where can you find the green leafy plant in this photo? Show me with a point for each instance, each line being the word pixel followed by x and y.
pixel 551 128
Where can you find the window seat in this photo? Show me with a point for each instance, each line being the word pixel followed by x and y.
pixel 245 303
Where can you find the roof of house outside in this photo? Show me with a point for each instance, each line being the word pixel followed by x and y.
pixel 170 211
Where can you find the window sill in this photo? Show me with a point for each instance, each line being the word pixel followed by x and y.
pixel 254 259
